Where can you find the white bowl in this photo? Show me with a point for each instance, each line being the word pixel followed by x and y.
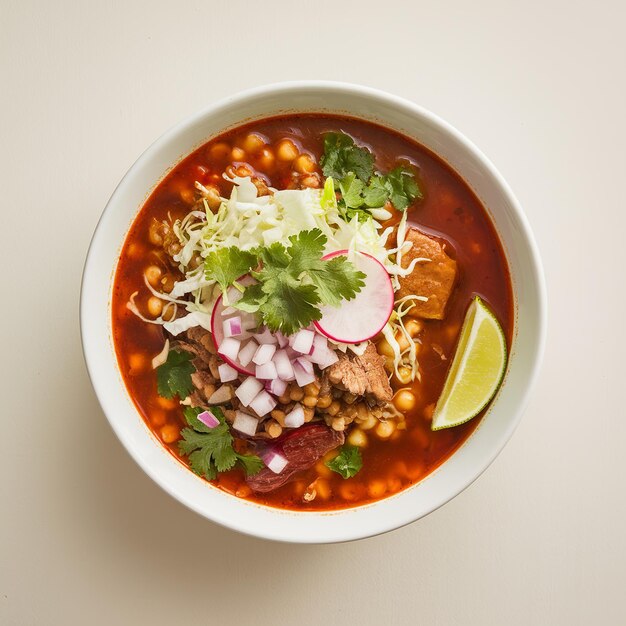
pixel 466 464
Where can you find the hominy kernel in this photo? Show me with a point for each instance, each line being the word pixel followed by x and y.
pixel 167 403
pixel 384 430
pixel 155 306
pixel 404 400
pixel 369 423
pixel 296 394
pixel 170 433
pixel 323 402
pixel 304 164
pixel 267 160
pixel 376 489
pixel 157 418
pixel 357 438
pixel 137 362
pixel 286 150
pixel 334 408
pixel 237 154
pixel 310 401
pixel 219 151
pixel 253 143
pixel 153 273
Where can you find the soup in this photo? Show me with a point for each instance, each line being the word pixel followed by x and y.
pixel 288 303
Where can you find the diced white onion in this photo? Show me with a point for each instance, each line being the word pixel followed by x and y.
pixel 264 353
pixel 227 373
pixel 303 377
pixel 266 371
pixel 284 369
pixel 302 341
pixel 248 389
pixel 295 417
pixel 247 352
pixel 275 462
pixel 245 423
pixel 232 327
pixel 265 337
pixel 276 386
pixel 263 403
pixel 229 348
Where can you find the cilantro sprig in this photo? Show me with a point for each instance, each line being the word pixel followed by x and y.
pixel 347 463
pixel 294 282
pixel 342 155
pixel 353 168
pixel 226 265
pixel 210 450
pixel 174 376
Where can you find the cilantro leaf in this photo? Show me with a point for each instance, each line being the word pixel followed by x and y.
pixel 226 265
pixel 347 463
pixel 376 192
pixel 337 280
pixel 210 450
pixel 294 282
pixel 252 464
pixel 253 298
pixel 342 156
pixel 351 189
pixel 174 376
pixel 290 305
pixel 403 188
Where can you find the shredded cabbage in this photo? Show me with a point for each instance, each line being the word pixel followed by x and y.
pixel 247 220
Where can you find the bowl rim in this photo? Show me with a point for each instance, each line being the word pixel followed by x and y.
pixel 537 279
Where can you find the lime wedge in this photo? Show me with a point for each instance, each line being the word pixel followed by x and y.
pixel 476 371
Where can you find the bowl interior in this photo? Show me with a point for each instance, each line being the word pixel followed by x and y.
pixel 453 475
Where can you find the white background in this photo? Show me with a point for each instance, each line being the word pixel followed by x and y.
pixel 87 538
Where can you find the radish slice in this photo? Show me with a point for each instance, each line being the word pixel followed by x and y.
pixel 227 373
pixel 266 371
pixel 245 423
pixel 274 461
pixel 295 417
pixel 248 389
pixel 263 403
pixel 220 318
pixel 365 315
pixel 208 419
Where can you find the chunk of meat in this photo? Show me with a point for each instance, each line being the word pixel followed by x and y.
pixel 302 448
pixel 363 375
pixel 434 279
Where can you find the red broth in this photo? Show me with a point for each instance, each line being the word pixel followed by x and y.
pixel 449 209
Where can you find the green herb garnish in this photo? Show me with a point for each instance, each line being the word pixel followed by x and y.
pixel 227 265
pixel 360 188
pixel 294 282
pixel 347 463
pixel 174 376
pixel 342 156
pixel 210 450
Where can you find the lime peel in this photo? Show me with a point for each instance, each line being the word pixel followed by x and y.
pixel 477 369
